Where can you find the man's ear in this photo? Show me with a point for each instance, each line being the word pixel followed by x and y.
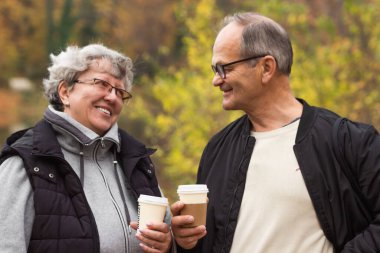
pixel 64 92
pixel 269 68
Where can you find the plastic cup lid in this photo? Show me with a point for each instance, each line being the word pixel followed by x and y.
pixel 192 188
pixel 153 200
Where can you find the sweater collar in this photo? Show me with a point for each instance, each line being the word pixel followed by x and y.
pixel 307 120
pixel 68 126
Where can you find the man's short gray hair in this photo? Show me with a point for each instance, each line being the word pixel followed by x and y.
pixel 68 64
pixel 261 35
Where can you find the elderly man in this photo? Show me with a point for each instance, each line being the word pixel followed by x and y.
pixel 276 184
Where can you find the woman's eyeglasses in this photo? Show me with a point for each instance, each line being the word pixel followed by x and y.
pixel 106 86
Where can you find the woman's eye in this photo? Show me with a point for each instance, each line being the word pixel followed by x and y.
pixel 101 83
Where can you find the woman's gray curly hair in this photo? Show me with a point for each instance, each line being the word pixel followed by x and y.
pixel 68 64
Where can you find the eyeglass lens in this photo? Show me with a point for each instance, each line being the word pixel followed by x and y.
pixel 123 94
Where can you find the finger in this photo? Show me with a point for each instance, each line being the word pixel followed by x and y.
pixel 182 220
pixel 158 226
pixel 176 208
pixel 154 235
pixel 134 225
pixel 146 240
pixel 149 249
pixel 188 232
pixel 150 239
pixel 189 242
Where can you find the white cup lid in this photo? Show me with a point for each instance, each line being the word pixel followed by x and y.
pixel 192 188
pixel 153 200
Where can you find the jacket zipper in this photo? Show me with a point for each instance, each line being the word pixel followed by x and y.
pixel 235 190
pixel 119 212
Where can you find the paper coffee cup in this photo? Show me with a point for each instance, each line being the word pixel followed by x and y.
pixel 194 196
pixel 151 209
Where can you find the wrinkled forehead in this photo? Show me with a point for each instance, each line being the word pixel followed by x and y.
pixel 227 42
pixel 105 65
pixel 229 36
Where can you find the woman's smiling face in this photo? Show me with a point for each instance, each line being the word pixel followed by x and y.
pixel 95 108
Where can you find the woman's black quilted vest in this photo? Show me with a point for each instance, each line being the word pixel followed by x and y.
pixel 63 219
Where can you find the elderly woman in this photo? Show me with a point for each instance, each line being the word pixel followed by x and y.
pixel 71 183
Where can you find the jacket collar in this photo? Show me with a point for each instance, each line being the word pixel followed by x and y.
pixel 306 122
pixel 45 141
pixel 308 117
pixel 131 152
pixel 65 124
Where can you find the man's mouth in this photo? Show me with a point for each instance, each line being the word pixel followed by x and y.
pixel 227 90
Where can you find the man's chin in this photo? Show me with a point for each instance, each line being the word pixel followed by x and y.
pixel 227 107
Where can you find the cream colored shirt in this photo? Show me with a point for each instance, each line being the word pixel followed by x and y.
pixel 276 213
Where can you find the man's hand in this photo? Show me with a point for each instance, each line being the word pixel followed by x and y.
pixel 187 238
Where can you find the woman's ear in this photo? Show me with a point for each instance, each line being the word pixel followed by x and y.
pixel 64 93
pixel 269 68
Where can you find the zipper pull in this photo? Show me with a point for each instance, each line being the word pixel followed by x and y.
pixel 129 229
pixel 102 142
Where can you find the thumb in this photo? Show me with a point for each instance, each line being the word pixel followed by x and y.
pixel 176 208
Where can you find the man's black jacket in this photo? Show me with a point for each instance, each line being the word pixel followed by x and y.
pixel 343 217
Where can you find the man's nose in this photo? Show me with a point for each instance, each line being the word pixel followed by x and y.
pixel 217 80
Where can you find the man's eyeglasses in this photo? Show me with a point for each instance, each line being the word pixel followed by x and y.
pixel 219 68
pixel 106 86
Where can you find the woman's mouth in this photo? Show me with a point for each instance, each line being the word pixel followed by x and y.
pixel 104 110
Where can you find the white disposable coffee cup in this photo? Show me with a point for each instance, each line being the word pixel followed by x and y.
pixel 194 196
pixel 151 209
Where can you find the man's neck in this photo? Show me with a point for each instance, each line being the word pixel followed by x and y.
pixel 275 113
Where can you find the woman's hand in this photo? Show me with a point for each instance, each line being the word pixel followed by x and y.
pixel 156 238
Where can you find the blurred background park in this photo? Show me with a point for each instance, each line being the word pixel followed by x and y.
pixel 175 107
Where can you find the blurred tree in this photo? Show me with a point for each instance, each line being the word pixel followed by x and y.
pixel 145 30
pixel 175 107
pixel 87 17
pixel 11 100
pixel 70 22
pixel 336 57
pixel 22 56
pixel 31 30
pixel 20 39
pixel 186 110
